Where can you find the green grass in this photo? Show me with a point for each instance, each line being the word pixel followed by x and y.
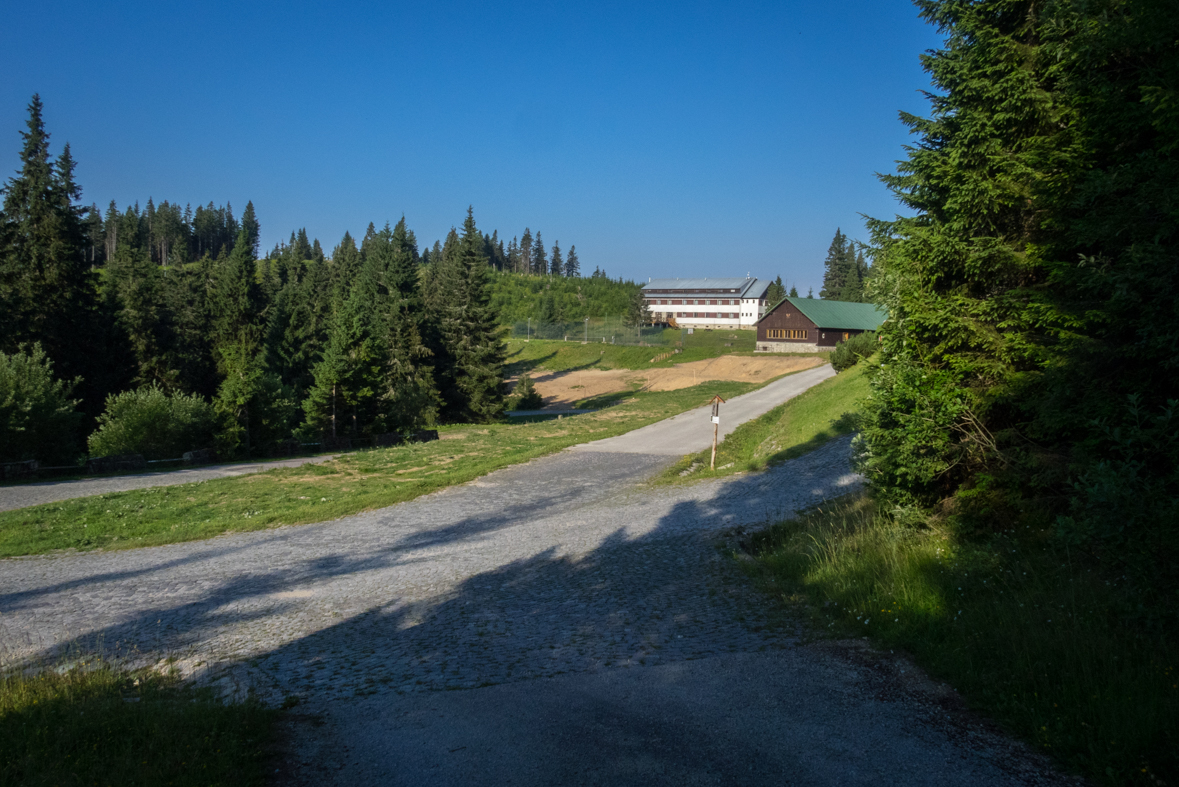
pixel 315 493
pixel 96 725
pixel 1026 631
pixel 790 430
pixel 557 356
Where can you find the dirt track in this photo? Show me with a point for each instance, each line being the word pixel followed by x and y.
pixel 562 389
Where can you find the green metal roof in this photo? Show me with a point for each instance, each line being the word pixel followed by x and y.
pixel 836 315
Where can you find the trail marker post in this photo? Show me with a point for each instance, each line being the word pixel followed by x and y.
pixel 716 403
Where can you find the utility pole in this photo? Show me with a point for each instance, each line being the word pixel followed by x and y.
pixel 716 403
pixel 587 330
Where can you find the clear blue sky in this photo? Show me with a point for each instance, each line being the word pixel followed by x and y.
pixel 677 139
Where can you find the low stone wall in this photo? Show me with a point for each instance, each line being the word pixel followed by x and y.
pixel 12 471
pixel 201 456
pixel 116 464
pixel 791 347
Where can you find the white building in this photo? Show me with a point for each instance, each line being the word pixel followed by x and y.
pixel 707 303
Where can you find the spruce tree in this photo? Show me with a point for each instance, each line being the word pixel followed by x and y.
pixel 252 228
pixel 775 292
pixel 95 237
pixel 526 252
pixel 835 272
pixel 344 267
pixel 793 291
pixel 373 370
pixel 556 264
pixel 540 264
pixel 572 264
pixel 142 315
pixel 471 332
pixel 110 227
pixel 47 292
pixel 238 331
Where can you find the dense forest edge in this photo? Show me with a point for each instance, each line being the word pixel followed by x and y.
pixel 1020 531
pixel 161 330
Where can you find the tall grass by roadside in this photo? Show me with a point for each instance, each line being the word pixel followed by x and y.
pixel 790 430
pixel 1027 631
pixel 95 725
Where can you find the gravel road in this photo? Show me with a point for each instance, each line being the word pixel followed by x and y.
pixel 691 431
pixel 52 491
pixel 593 630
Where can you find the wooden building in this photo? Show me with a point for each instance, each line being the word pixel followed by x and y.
pixel 807 325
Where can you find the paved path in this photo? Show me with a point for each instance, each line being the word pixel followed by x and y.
pixel 52 491
pixel 691 431
pixel 596 633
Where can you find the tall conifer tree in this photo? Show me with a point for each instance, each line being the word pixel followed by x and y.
pixel 47 293
pixel 572 264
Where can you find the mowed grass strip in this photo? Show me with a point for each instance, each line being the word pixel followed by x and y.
pixel 557 356
pixel 1026 630
pixel 315 493
pixel 790 430
pixel 96 725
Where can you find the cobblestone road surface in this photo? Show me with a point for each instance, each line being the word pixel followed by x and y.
pixel 537 584
pixel 558 565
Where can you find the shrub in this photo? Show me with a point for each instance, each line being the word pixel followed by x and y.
pixel 526 396
pixel 154 423
pixel 847 354
pixel 37 415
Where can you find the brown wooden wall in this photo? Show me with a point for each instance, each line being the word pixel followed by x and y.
pixel 789 318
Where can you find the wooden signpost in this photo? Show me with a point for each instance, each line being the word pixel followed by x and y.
pixel 716 403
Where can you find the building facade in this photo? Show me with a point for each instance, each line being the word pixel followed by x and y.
pixel 707 303
pixel 807 325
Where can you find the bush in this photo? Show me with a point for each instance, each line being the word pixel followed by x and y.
pixel 37 415
pixel 847 354
pixel 526 396
pixel 154 423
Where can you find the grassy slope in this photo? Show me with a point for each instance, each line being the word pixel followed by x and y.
pixel 101 726
pixel 315 493
pixel 789 430
pixel 555 356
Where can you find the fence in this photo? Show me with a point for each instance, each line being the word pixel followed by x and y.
pixel 598 330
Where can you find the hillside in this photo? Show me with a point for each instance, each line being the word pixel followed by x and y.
pixel 518 297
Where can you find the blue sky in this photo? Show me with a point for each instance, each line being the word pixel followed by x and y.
pixel 685 139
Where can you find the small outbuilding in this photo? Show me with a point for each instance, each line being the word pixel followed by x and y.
pixel 807 325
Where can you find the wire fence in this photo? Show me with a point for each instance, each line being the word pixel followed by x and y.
pixel 598 330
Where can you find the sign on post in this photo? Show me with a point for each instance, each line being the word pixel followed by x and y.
pixel 716 403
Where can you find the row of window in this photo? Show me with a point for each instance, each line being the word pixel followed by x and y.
pixel 718 315
pixel 694 290
pixel 700 302
pixel 785 333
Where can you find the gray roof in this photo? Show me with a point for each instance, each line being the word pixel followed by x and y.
pixel 745 287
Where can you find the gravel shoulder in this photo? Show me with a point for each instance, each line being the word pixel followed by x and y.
pixel 25 495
